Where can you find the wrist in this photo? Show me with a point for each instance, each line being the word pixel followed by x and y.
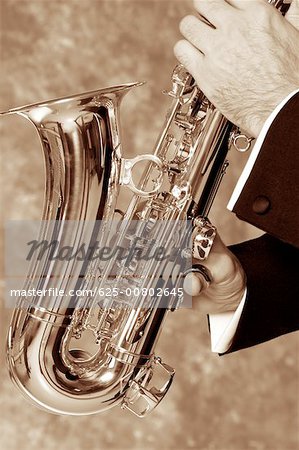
pixel 268 107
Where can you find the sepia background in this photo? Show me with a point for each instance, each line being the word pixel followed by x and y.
pixel 244 401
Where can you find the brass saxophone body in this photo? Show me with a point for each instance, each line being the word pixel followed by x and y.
pixel 87 356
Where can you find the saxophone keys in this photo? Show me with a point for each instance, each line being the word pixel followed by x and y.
pixel 186 122
pixel 203 236
pixel 142 396
pixel 241 141
pixel 126 174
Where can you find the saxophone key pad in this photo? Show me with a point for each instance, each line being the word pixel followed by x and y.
pixel 203 237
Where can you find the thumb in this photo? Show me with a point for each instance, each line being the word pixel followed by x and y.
pixel 293 14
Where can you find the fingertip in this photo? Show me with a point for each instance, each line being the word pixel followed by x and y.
pixel 185 23
pixel 192 285
pixel 180 52
pixel 180 47
pixel 189 56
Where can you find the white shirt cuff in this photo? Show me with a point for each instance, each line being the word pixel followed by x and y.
pixel 255 152
pixel 223 327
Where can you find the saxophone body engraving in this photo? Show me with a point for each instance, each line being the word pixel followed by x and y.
pixel 86 358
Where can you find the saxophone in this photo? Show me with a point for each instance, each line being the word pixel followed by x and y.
pixel 82 356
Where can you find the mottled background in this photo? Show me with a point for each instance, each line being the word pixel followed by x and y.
pixel 248 400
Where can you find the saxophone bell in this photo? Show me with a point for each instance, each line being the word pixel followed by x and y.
pixel 81 145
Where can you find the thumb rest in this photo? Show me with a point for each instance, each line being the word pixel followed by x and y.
pixel 84 356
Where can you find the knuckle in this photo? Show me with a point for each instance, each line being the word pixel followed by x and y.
pixel 225 262
pixel 293 11
pixel 263 12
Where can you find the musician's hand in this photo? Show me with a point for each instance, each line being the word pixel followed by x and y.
pixel 228 281
pixel 248 62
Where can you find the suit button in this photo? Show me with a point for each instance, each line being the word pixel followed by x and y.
pixel 261 205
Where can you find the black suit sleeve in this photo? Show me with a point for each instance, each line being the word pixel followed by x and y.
pixel 269 200
pixel 270 197
pixel 272 304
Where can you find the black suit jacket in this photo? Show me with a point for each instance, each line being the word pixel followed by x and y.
pixel 269 200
